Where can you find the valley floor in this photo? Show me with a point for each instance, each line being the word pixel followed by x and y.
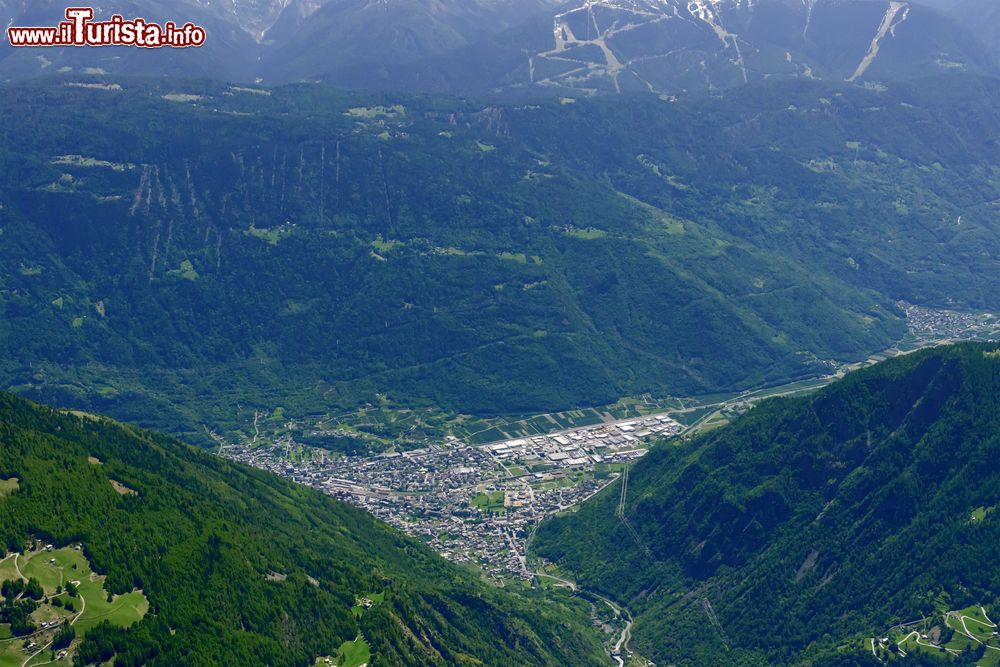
pixel 478 503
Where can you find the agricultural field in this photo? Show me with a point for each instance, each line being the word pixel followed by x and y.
pixel 8 486
pixel 355 653
pixel 948 634
pixel 73 594
pixel 8 571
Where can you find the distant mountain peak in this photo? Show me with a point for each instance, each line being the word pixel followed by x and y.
pixel 675 45
pixel 256 17
pixel 581 46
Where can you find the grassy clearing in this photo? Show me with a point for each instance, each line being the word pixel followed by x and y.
pixel 90 162
pixel 655 168
pixel 122 490
pixel 976 623
pixel 95 86
pixel 959 641
pixel 384 246
pixel 518 257
pixel 271 235
pixel 7 570
pixel 181 97
pixel 353 654
pixel 45 658
pixel 11 654
pixel 589 234
pixel 252 91
pixel 394 111
pixel 185 271
pixel 458 252
pixel 359 609
pixel 8 486
pixel 912 644
pixel 122 610
pixel 55 570
pixel 71 566
pixel 989 659
pixel 922 637
pixel 489 502
pixel 716 421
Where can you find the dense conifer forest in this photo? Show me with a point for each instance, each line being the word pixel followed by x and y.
pixel 809 524
pixel 240 566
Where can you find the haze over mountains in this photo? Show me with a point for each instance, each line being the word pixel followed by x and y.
pixel 541 46
pixel 322 251
pixel 415 237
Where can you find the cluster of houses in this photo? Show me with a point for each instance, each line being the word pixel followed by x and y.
pixel 937 322
pixel 603 443
pixel 431 492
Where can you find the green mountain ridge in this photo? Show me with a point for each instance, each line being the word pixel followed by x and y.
pixel 240 566
pixel 808 523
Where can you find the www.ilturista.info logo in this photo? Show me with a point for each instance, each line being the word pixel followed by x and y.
pixel 79 29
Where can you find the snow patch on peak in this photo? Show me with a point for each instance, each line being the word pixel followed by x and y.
pixel 256 17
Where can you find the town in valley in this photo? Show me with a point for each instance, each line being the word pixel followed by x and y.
pixel 473 504
pixel 478 502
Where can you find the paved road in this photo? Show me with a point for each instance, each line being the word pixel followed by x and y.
pixel 83 608
pixel 624 639
pixel 565 582
pixel 626 635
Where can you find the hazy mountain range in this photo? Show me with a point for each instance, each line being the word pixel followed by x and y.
pixel 314 248
pixel 500 219
pixel 532 46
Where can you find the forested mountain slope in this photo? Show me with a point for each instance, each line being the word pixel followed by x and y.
pixel 881 187
pixel 240 566
pixel 188 253
pixel 809 523
pixel 982 18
